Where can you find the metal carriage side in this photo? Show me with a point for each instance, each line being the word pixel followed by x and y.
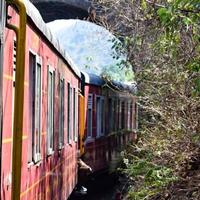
pixel 110 113
pixel 49 147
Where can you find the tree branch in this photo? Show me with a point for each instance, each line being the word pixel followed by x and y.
pixel 155 4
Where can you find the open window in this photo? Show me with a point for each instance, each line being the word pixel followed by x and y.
pixel 131 115
pixel 110 114
pixel 115 114
pixel 69 113
pixel 136 115
pixel 100 115
pixel 89 115
pixel 128 115
pixel 119 114
pixel 35 100
pixel 75 112
pixel 50 110
pixel 122 115
pixel 61 113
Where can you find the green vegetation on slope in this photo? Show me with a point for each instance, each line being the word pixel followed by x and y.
pixel 162 39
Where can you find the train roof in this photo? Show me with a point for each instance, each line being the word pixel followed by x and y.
pixel 96 80
pixel 36 18
pixel 93 79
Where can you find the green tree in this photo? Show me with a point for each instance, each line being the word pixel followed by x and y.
pixel 162 40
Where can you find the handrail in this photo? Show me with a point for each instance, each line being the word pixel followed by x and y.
pixel 18 98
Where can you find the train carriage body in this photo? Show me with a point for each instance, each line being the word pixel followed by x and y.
pixel 50 122
pixel 111 116
pixel 65 111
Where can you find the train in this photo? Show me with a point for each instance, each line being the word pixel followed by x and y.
pixel 52 113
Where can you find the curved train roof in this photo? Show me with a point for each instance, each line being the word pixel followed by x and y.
pixel 93 79
pixel 98 81
pixel 35 16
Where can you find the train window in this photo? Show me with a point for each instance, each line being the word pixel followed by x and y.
pixel 115 115
pixel 128 115
pixel 50 111
pixel 131 115
pixel 32 63
pixel 69 113
pixel 122 115
pixel 61 113
pixel 119 114
pixel 110 114
pixel 38 89
pixel 102 116
pixel 35 95
pixel 133 122
pixel 98 115
pixel 89 116
pixel 75 114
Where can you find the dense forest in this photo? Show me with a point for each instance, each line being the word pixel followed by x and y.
pixel 162 42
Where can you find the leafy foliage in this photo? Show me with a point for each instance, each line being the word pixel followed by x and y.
pixel 162 38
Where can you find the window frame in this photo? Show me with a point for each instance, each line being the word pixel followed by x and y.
pixel 75 116
pixel 123 114
pixel 71 113
pixel 50 149
pixel 110 114
pixel 61 109
pixel 69 109
pixel 131 115
pixel 119 114
pixel 90 124
pixel 100 116
pixel 34 153
pixel 114 114
pixel 128 115
pixel 38 154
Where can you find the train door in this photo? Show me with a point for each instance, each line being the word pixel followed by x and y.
pixel 2 25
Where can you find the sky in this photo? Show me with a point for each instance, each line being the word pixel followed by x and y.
pixel 90 46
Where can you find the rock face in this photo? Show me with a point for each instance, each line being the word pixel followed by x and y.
pixel 62 9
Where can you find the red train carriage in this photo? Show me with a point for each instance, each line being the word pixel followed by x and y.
pixel 111 117
pixel 50 122
pixel 55 114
